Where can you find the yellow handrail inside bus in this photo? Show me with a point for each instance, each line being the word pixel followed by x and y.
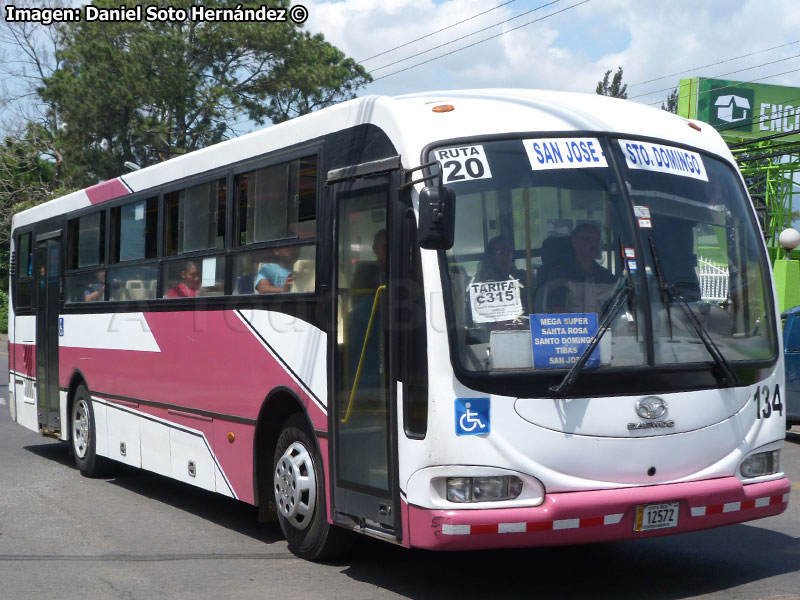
pixel 375 302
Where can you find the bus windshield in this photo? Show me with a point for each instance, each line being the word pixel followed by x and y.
pixel 548 231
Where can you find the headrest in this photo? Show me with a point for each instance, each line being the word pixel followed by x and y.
pixel 556 250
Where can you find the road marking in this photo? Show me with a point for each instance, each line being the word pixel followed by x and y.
pixel 796 486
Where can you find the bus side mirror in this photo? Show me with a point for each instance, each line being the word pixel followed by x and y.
pixel 437 218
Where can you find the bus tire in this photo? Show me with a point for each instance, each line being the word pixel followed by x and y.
pixel 83 436
pixel 299 487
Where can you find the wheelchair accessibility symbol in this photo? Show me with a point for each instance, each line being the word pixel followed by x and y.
pixel 472 416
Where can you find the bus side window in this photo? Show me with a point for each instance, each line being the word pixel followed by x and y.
pixel 134 230
pixel 86 251
pixel 134 237
pixel 24 281
pixel 276 208
pixel 195 218
pixel 275 265
pixel 188 278
pixel 86 241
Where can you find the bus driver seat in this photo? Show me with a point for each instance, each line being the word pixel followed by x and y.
pixel 556 252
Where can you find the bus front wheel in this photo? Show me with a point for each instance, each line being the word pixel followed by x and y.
pixel 83 436
pixel 299 486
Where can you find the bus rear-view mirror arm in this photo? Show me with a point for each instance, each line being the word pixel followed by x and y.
pixel 437 213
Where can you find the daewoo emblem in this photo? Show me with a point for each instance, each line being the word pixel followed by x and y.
pixel 651 407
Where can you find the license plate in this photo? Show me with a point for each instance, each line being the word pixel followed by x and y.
pixel 656 516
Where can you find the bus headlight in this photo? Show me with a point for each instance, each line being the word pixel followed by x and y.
pixel 761 463
pixel 483 489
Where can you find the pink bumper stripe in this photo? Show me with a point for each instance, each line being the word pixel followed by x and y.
pixel 697 511
pixel 595 516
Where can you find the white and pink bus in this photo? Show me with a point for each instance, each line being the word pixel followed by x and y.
pixel 452 320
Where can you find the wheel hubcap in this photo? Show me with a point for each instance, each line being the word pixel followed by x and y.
pixel 80 428
pixel 296 486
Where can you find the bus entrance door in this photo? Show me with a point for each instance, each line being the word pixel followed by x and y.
pixel 48 268
pixel 363 422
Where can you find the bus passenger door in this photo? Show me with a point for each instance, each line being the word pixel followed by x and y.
pixel 48 269
pixel 362 417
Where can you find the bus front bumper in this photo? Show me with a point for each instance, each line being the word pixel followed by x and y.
pixel 597 516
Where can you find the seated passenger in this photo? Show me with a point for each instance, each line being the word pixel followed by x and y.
pixel 96 291
pixel 582 284
pixel 498 263
pixel 586 247
pixel 189 285
pixel 278 276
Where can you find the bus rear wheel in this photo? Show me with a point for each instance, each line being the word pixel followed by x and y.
pixel 299 486
pixel 83 436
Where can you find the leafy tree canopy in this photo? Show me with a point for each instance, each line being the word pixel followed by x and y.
pixel 613 88
pixel 672 102
pixel 147 91
pixel 27 178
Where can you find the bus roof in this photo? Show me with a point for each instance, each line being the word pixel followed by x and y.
pixel 410 124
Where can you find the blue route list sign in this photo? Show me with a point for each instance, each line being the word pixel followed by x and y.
pixel 559 339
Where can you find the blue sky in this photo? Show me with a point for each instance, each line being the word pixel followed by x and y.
pixel 567 51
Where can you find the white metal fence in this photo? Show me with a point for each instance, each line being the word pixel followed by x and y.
pixel 713 280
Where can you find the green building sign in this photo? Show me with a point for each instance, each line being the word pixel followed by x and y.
pixel 742 110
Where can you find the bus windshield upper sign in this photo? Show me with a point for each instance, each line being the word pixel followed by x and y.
pixel 663 159
pixel 564 153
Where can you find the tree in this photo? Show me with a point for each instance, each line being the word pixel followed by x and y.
pixel 85 97
pixel 27 178
pixel 672 102
pixel 147 91
pixel 615 89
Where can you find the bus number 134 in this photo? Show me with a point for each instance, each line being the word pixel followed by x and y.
pixel 764 408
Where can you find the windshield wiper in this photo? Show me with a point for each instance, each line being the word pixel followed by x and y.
pixel 669 294
pixel 617 302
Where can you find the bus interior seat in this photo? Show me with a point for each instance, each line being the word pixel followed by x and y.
pixel 245 284
pixel 118 291
pixel 136 289
pixel 304 272
pixel 556 251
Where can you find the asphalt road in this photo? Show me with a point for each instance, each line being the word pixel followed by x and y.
pixel 141 536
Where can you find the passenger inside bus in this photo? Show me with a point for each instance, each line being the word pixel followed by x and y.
pixel 574 281
pixel 96 291
pixel 498 262
pixel 189 285
pixel 278 276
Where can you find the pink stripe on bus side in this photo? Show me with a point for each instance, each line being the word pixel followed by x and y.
pixel 208 361
pixel 108 190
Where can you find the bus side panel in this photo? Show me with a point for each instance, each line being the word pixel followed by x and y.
pixel 235 452
pixel 22 367
pixel 189 371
